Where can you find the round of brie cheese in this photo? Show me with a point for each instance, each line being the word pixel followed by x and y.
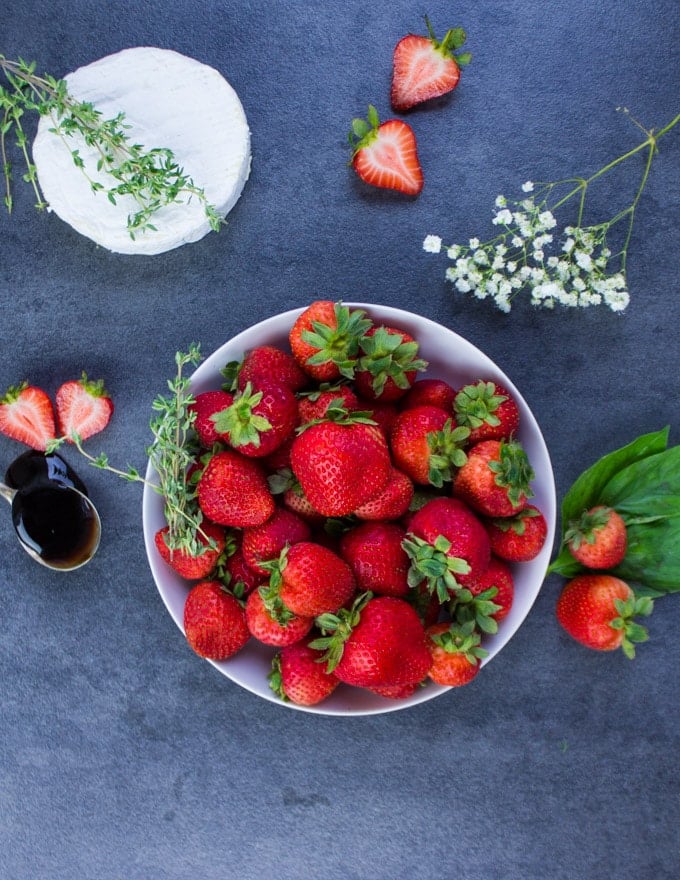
pixel 169 101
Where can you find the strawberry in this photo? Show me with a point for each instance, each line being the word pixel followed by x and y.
pixel 309 579
pixel 495 479
pixel 214 621
pixel 496 584
pixel 430 392
pixel 190 565
pixel 386 154
pixel 341 463
pixel 265 542
pixel 597 539
pixel 448 547
pixel 298 676
pixel 392 503
pixel 381 412
pixel 374 552
pixel 83 408
pixel 240 577
pixel 206 405
pixel 598 610
pixel 518 538
pixel 455 653
pixel 426 68
pixel 259 420
pixel 284 629
pixel 427 445
pixel 233 491
pixel 488 410
pixel 26 415
pixel 325 339
pixel 378 642
pixel 388 364
pixel 267 363
pixel 314 405
pixel 396 691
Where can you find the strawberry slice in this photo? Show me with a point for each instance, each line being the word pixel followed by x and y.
pixel 425 68
pixel 26 415
pixel 83 408
pixel 386 154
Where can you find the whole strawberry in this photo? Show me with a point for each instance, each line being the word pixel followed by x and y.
pixel 27 415
pixel 495 583
pixel 193 565
pixel 374 552
pixel 298 676
pixel 598 610
pixel 495 480
pixel 426 68
pixel 386 153
pixel 269 364
pixel 430 392
pixel 392 503
pixel 314 405
pixel 518 538
pixel 448 546
pixel 214 621
pixel 233 491
pixel 379 641
pixel 341 463
pixel 388 364
pixel 259 420
pixel 265 542
pixel 456 653
pixel 325 339
pixel 598 538
pixel 205 406
pixel 274 629
pixel 426 445
pixel 488 410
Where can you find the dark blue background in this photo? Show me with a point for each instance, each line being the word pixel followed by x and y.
pixel 122 755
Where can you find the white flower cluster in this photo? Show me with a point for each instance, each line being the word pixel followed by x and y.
pixel 570 271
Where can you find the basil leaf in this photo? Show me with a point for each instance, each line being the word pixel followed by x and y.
pixel 647 488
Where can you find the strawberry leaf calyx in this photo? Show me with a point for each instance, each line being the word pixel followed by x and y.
pixel 446 452
pixel 240 421
pixel 633 633
pixel 433 564
pixel 94 387
pixel 275 678
pixel 14 392
pixel 479 609
pixel 386 355
pixel 336 629
pixel 364 131
pixel 338 414
pixel 338 344
pixel 476 405
pixel 513 471
pixel 585 528
pixel 516 523
pixel 453 39
pixel 461 639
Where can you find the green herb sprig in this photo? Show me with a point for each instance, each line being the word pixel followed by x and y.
pixel 172 452
pixel 152 177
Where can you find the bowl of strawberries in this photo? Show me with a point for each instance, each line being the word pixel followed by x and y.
pixel 372 510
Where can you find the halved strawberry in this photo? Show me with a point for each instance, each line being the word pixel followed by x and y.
pixel 84 408
pixel 425 68
pixel 386 154
pixel 26 415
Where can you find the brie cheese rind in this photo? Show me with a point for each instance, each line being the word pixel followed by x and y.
pixel 169 101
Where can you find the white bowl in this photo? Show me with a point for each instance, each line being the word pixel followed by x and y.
pixel 450 357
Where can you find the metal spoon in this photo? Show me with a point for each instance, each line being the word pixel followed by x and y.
pixel 57 525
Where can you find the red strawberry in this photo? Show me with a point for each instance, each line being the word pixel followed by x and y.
pixel 430 392
pixel 267 363
pixel 193 565
pixel 497 584
pixel 597 539
pixel 448 546
pixel 26 415
pixel 309 580
pixel 298 676
pixel 259 420
pixel 427 445
pixel 488 410
pixel 341 464
pixel 388 364
pixel 374 552
pixel 425 68
pixel 518 538
pixel 495 479
pixel 83 408
pixel 455 652
pixel 265 542
pixel 379 641
pixel 315 404
pixel 598 610
pixel 396 691
pixel 325 339
pixel 392 503
pixel 382 413
pixel 242 579
pixel 206 405
pixel 214 621
pixel 286 630
pixel 386 154
pixel 233 491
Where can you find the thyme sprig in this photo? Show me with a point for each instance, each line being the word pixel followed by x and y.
pixel 172 452
pixel 152 177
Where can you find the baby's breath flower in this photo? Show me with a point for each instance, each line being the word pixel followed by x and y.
pixel 528 186
pixel 432 244
pixel 504 217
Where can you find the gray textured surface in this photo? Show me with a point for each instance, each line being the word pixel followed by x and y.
pixel 122 755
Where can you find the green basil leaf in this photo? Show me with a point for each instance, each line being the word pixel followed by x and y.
pixel 647 488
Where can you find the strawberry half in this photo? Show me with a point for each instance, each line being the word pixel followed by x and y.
pixel 386 154
pixel 26 415
pixel 84 408
pixel 425 68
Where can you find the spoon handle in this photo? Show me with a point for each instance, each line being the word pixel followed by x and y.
pixel 7 492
